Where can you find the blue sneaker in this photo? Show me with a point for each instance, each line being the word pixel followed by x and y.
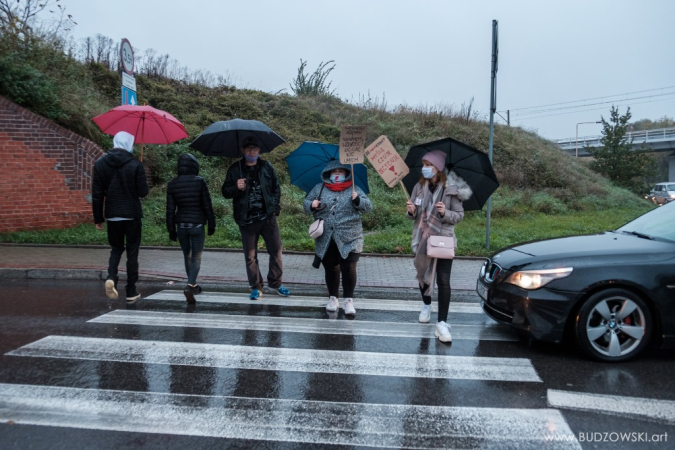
pixel 255 294
pixel 284 292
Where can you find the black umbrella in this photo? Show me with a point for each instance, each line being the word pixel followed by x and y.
pixel 471 164
pixel 224 138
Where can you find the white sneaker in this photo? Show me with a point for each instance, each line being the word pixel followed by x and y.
pixel 443 332
pixel 110 290
pixel 349 307
pixel 425 314
pixel 333 304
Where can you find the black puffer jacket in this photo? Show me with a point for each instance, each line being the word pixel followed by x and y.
pixel 187 197
pixel 119 183
pixel 269 181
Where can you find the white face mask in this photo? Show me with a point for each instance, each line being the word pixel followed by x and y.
pixel 428 172
pixel 339 178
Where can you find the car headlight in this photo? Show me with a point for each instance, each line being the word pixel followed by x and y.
pixel 535 279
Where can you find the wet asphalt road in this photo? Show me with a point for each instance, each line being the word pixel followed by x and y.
pixel 326 382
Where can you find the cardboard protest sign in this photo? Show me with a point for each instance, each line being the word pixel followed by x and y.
pixel 352 140
pixel 386 161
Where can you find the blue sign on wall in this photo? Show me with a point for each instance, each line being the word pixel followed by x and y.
pixel 128 96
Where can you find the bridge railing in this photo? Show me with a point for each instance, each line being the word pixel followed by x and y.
pixel 639 137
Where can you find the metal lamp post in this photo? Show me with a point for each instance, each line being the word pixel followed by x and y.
pixel 576 140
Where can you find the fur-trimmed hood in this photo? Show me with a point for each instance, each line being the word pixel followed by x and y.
pixel 464 191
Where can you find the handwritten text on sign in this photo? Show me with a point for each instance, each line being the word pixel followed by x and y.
pixel 386 161
pixel 352 139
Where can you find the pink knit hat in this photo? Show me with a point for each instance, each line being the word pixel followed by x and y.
pixel 436 158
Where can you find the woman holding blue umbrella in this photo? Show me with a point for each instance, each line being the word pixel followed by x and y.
pixel 340 204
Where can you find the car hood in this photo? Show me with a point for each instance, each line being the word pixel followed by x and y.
pixel 581 250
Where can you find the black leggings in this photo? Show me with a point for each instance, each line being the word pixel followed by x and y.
pixel 443 269
pixel 334 264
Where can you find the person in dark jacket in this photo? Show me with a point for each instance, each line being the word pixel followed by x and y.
pixel 118 184
pixel 253 186
pixel 188 207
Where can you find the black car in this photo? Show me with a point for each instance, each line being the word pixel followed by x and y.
pixel 613 292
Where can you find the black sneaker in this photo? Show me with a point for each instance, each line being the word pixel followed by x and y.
pixel 189 292
pixel 132 297
pixel 198 289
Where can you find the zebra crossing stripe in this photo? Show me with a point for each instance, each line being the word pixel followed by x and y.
pixel 278 420
pixel 312 302
pixel 282 359
pixel 302 325
pixel 616 405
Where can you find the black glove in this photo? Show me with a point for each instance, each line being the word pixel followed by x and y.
pixel 211 231
pixel 173 236
pixel 356 201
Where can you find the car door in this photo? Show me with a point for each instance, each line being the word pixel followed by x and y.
pixel 659 194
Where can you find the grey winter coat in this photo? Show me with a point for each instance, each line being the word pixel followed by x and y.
pixel 456 191
pixel 342 216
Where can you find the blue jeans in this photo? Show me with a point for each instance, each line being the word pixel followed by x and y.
pixel 192 243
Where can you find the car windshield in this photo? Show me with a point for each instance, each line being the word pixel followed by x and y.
pixel 657 223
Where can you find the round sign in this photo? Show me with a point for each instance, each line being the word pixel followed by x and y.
pixel 127 56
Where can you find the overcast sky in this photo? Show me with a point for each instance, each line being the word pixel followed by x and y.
pixel 422 52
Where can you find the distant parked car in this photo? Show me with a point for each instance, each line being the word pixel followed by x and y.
pixel 612 292
pixel 663 193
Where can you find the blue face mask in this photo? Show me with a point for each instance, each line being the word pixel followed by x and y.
pixel 428 172
pixel 251 158
pixel 337 178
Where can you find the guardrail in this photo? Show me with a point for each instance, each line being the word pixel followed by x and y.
pixel 639 137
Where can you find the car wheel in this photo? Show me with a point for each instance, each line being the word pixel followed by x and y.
pixel 613 325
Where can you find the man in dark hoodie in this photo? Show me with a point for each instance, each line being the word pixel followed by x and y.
pixel 118 185
pixel 254 188
pixel 188 207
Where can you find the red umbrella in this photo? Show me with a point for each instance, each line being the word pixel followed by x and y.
pixel 148 125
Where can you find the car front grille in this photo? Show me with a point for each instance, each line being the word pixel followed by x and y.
pixel 492 270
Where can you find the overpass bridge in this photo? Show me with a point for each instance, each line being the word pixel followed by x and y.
pixel 660 140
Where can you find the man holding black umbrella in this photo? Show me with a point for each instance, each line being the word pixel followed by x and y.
pixel 254 188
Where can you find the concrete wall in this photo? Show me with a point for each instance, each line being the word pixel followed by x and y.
pixel 45 172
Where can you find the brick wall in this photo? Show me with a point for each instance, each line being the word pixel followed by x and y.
pixel 45 172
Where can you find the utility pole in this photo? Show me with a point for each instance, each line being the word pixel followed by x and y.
pixel 493 109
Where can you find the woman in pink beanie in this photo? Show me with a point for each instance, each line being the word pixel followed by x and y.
pixel 435 205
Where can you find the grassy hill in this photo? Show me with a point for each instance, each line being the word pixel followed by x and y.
pixel 544 192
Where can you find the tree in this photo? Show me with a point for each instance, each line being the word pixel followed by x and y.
pixel 18 17
pixel 616 159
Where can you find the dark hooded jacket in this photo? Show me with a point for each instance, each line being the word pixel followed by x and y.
pixel 119 183
pixel 187 197
pixel 269 181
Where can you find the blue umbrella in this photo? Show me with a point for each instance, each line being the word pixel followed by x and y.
pixel 306 163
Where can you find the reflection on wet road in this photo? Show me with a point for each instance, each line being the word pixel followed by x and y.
pixel 281 371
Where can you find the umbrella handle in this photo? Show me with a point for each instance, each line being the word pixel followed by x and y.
pixel 404 191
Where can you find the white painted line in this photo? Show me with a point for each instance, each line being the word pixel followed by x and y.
pixel 311 302
pixel 617 405
pixel 276 420
pixel 302 325
pixel 282 359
